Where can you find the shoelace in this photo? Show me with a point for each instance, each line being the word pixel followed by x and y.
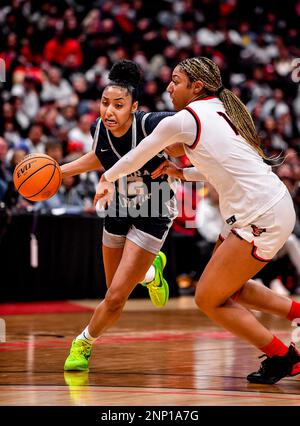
pixel 154 291
pixel 82 349
pixel 267 364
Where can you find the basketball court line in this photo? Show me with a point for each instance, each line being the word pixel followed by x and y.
pixel 158 391
pixel 132 337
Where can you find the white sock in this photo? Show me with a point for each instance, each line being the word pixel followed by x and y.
pixel 150 274
pixel 85 335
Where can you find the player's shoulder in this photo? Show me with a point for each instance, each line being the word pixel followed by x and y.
pixel 206 104
pixel 94 126
pixel 152 119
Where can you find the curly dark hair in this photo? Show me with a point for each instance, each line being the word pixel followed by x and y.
pixel 126 74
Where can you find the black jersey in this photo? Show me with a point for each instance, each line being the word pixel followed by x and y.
pixel 109 149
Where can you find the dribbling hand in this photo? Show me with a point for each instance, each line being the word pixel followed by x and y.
pixel 104 193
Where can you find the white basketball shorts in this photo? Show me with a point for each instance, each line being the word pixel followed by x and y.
pixel 269 231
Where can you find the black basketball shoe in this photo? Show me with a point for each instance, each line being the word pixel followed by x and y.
pixel 275 368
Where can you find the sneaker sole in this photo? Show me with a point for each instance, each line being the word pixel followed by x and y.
pixel 167 298
pixel 165 283
pixel 262 382
pixel 75 369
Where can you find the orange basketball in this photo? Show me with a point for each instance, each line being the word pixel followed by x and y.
pixel 37 177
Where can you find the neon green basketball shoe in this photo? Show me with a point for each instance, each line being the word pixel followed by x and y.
pixel 158 288
pixel 79 356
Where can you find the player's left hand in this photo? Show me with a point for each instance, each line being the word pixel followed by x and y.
pixel 104 193
pixel 167 168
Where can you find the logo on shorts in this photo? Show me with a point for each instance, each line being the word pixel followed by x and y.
pixel 256 231
pixel 231 220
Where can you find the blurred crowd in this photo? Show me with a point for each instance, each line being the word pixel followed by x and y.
pixel 57 55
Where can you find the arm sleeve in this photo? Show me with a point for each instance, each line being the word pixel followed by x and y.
pixel 181 127
pixel 193 174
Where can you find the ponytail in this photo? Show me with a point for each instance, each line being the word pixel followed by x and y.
pixel 242 120
pixel 208 72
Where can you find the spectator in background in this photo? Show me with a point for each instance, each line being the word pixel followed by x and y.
pixel 21 118
pixel 5 174
pixel 269 131
pixel 10 52
pixel 18 155
pixel 85 94
pixel 56 88
pixel 75 150
pixel 29 92
pixel 36 139
pixel 208 217
pixel 97 75
pixel 68 117
pixel 68 200
pixel 178 37
pixel 63 51
pixel 276 106
pixel 11 135
pixel 81 133
pixel 54 149
pixel 12 199
pixel 48 118
pixel 149 98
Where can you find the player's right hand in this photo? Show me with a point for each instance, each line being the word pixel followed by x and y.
pixel 104 193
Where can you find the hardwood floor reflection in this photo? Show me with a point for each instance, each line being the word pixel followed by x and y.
pixel 171 356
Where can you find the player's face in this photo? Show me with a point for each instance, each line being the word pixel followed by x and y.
pixel 180 89
pixel 116 109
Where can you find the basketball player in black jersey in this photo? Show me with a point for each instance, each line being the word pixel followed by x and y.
pixel 137 222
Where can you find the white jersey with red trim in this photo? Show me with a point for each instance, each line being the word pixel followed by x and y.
pixel 246 185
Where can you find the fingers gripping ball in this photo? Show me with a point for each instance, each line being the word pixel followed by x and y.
pixel 37 177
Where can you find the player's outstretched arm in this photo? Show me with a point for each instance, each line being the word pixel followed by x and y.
pixel 170 169
pixel 181 128
pixel 175 150
pixel 86 163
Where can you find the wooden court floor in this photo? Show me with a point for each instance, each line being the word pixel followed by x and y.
pixel 159 357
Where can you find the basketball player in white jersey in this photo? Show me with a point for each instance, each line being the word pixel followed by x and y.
pixel 219 137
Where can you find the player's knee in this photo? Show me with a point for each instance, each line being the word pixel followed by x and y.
pixel 114 300
pixel 202 301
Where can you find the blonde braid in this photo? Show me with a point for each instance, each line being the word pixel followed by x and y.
pixel 242 119
pixel 208 72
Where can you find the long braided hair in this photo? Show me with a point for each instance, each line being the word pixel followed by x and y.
pixel 208 72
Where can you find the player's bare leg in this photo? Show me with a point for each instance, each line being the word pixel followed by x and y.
pixel 223 277
pixel 255 296
pixel 122 277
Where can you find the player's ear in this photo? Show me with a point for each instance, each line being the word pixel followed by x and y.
pixel 198 87
pixel 134 107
